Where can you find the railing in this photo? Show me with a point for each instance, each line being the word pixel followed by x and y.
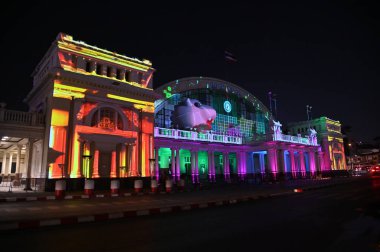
pixel 293 139
pixel 196 136
pixel 20 117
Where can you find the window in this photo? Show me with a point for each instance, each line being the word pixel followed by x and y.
pixel 127 74
pixel 88 66
pixel 98 69
pixel 109 71
pixel 107 118
pixel 118 74
pixel 139 78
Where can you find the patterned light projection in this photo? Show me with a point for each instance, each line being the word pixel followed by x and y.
pixel 95 131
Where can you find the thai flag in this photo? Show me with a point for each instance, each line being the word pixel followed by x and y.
pixel 230 57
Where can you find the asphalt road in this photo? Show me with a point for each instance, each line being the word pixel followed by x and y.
pixel 341 218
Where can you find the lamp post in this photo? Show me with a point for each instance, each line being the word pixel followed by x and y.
pixel 350 154
pixel 62 167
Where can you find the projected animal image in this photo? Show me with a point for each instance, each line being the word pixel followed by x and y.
pixel 191 114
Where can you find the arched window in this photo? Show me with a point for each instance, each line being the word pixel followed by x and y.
pixel 107 118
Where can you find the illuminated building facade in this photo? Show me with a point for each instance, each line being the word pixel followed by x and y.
pixel 238 140
pixel 329 137
pixel 94 115
pixel 99 109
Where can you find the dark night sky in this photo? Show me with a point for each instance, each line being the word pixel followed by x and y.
pixel 325 54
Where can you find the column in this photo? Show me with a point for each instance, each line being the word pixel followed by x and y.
pixel 173 163
pixel 29 169
pixel 156 163
pixel 262 165
pixel 18 159
pixel 213 173
pixel 226 166
pixel 272 162
pixel 209 165
pixel 281 162
pixel 196 167
pixel 113 164
pixel 192 166
pixel 10 163
pixel 238 165
pixel 177 165
pixel 4 165
pixel 95 164
pixel 321 166
pixel 312 163
pixel 292 164
pixel 302 163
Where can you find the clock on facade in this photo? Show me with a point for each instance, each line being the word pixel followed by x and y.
pixel 227 106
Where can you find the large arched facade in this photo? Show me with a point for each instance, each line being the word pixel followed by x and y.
pixel 206 128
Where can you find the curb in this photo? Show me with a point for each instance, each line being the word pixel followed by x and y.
pixel 109 195
pixel 17 225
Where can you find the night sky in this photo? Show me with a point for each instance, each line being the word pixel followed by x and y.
pixel 323 54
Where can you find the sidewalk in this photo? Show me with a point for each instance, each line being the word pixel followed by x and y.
pixel 33 213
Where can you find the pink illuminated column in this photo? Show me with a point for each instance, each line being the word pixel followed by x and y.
pixel 238 164
pixel 312 163
pixel 177 165
pixel 173 158
pixel 281 161
pixel 321 161
pixel 156 163
pixel 292 163
pixel 302 163
pixel 272 162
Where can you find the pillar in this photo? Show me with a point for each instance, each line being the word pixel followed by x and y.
pixel 209 159
pixel 281 162
pixel 272 162
pixel 262 165
pixel 292 164
pixel 177 165
pixel 18 158
pixel 95 164
pixel 4 165
pixel 29 169
pixel 10 163
pixel 156 163
pixel 113 164
pixel 312 163
pixel 196 166
pixel 302 164
pixel 192 166
pixel 173 163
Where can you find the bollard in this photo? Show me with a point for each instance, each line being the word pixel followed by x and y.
pixel 60 188
pixel 115 185
pixel 168 185
pixel 89 185
pixel 153 185
pixel 181 185
pixel 138 185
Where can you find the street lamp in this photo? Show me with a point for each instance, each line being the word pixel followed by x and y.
pixel 350 153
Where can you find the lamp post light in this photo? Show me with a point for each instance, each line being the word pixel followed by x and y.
pixel 350 154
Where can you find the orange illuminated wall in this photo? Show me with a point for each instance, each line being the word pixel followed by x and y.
pixel 57 142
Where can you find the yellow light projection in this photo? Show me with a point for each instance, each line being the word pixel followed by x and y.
pixel 67 92
pixel 57 142
pixel 122 98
